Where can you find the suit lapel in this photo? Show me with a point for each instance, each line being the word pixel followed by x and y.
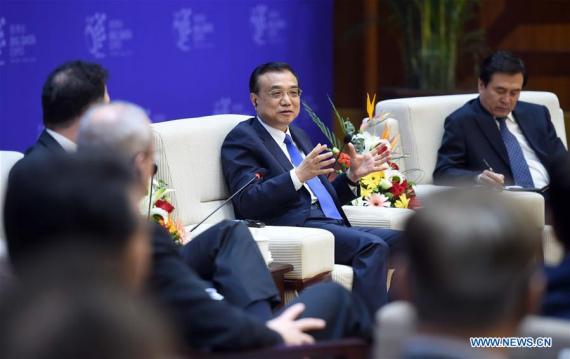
pixel 271 145
pixel 300 140
pixel 489 128
pixel 524 121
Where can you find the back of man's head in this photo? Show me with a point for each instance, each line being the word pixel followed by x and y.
pixel 120 127
pixel 80 317
pixel 504 62
pixel 471 259
pixel 67 199
pixel 560 198
pixel 69 91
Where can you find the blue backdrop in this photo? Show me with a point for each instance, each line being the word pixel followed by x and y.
pixel 176 59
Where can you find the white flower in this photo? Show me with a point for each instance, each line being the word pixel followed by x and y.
pixel 391 173
pixel 161 212
pixel 156 195
pixel 385 184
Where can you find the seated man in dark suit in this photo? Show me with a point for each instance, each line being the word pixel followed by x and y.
pixel 472 272
pixel 295 191
pixel 226 255
pixel 495 139
pixel 557 297
pixel 67 93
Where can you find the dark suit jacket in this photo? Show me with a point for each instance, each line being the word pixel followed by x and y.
pixel 45 144
pixel 204 323
pixel 273 199
pixel 471 135
pixel 556 301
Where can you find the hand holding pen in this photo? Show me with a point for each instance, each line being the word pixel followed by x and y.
pixel 490 178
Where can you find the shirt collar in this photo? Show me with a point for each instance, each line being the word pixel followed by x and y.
pixel 278 135
pixel 510 117
pixel 67 144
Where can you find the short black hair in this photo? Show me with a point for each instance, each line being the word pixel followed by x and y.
pixel 51 199
pixel 69 91
pixel 560 197
pixel 265 68
pixel 502 61
pixel 471 257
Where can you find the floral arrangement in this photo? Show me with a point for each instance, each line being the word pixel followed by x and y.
pixel 386 188
pixel 161 212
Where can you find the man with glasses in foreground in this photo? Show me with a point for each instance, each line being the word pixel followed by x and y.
pixel 295 191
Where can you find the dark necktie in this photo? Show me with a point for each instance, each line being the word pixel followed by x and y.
pixel 325 199
pixel 519 167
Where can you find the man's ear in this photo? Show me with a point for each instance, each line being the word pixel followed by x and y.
pixel 253 98
pixel 480 85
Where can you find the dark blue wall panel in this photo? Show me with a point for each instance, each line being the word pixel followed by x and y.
pixel 176 59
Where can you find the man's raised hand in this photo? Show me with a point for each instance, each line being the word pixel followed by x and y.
pixel 315 164
pixel 367 163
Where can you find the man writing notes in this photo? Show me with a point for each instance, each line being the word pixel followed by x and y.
pixel 295 191
pixel 495 139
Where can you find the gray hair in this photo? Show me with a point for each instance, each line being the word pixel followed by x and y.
pixel 119 126
pixel 471 259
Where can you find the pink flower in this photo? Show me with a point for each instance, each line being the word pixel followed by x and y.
pixel 377 200
pixel 185 236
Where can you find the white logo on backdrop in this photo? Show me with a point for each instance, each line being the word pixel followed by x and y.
pixel 95 34
pixel 2 36
pixel 258 21
pixel 105 36
pixel 119 35
pixel 267 25
pixel 224 105
pixel 191 30
pixel 18 42
pixel 182 28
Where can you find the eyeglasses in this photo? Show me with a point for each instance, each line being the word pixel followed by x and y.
pixel 279 94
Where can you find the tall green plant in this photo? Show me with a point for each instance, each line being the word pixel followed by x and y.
pixel 433 38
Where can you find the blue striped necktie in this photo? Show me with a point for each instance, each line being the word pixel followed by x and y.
pixel 519 167
pixel 325 199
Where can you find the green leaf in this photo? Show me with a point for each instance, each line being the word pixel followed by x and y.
pixel 341 121
pixel 334 141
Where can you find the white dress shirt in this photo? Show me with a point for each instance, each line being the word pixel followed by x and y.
pixel 67 144
pixel 279 137
pixel 538 172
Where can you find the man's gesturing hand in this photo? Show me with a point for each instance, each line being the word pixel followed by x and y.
pixel 291 330
pixel 364 164
pixel 314 164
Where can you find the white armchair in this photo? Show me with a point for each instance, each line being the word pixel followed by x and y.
pixel 189 160
pixel 420 121
pixel 7 160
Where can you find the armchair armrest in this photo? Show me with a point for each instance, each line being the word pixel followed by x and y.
pixel 393 218
pixel 309 250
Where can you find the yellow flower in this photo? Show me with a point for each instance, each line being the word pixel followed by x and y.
pixel 370 105
pixel 365 192
pixel 372 180
pixel 402 202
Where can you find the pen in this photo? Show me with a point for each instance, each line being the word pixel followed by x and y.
pixel 491 169
pixel 487 164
